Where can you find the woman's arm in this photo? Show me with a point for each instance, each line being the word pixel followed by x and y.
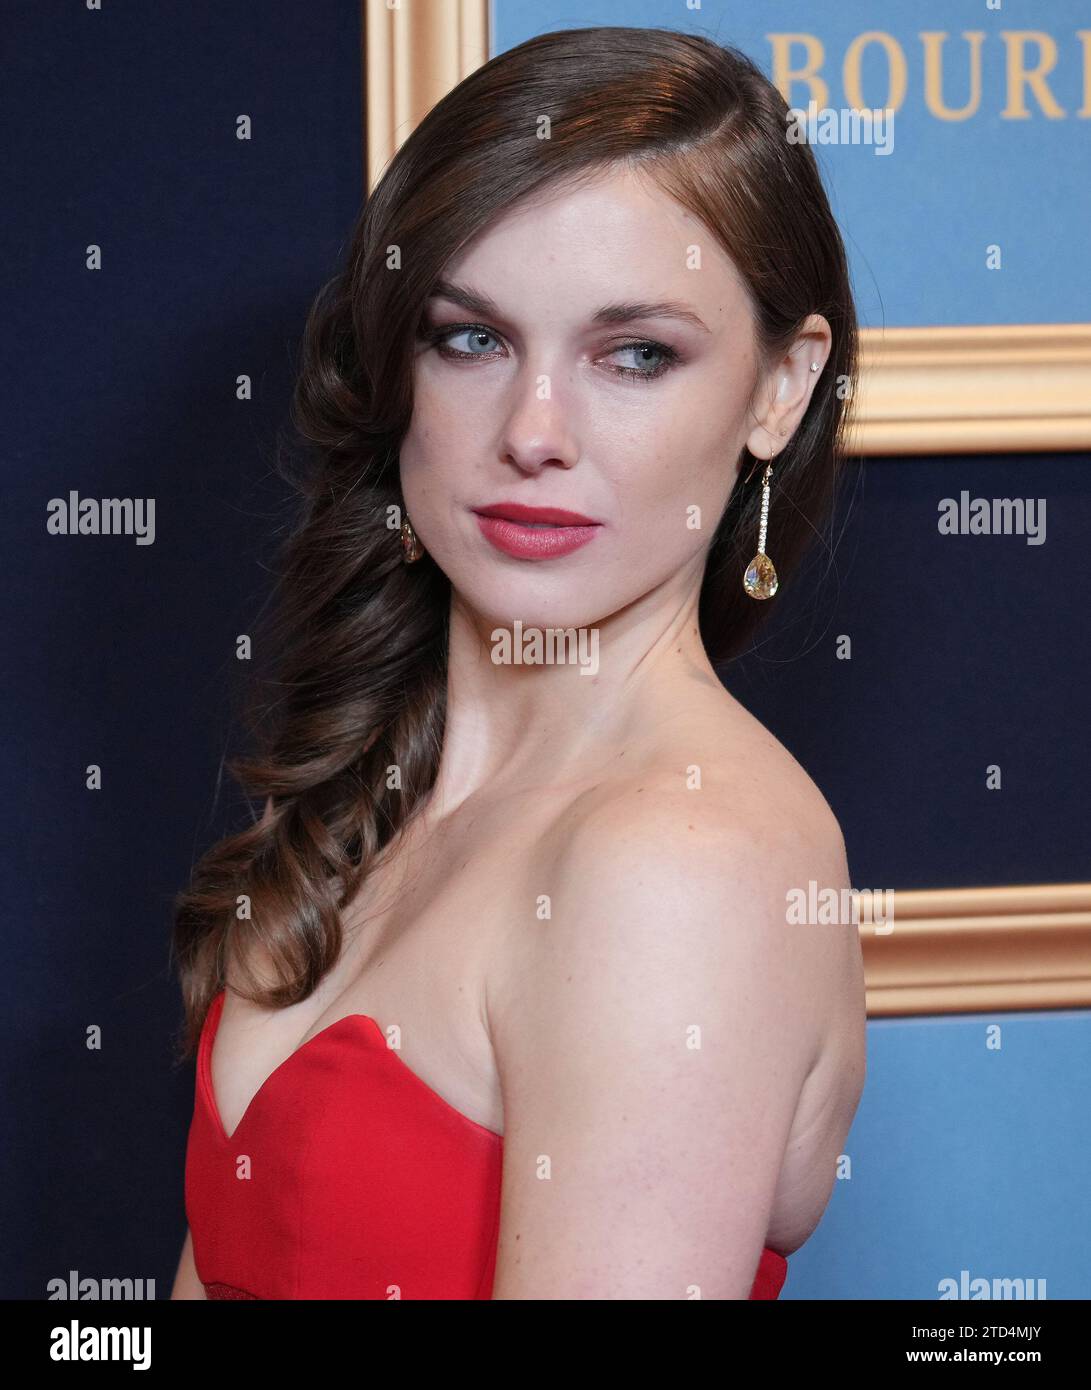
pixel 652 1039
pixel 186 1282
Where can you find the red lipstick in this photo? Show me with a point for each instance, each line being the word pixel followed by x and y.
pixel 534 533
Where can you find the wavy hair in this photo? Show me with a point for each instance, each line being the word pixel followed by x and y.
pixel 349 724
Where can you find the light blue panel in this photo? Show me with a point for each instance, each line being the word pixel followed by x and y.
pixel 917 221
pixel 963 1157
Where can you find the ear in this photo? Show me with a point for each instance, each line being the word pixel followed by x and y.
pixel 785 390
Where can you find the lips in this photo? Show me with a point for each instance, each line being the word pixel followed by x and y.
pixel 535 533
pixel 552 516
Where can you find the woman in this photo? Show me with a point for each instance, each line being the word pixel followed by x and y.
pixel 500 998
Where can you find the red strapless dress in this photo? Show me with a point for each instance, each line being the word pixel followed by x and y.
pixel 377 1189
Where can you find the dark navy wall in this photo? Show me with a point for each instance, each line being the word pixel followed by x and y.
pixel 966 653
pixel 121 382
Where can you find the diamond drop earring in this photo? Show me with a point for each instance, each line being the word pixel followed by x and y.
pixel 760 579
pixel 412 549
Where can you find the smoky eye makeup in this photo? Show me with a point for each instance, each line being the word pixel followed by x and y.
pixel 434 333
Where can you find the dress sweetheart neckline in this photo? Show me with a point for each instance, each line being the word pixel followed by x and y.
pixel 375 1035
pixel 372 1033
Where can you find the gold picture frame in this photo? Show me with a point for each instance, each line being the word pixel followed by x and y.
pixel 981 389
pixel 978 950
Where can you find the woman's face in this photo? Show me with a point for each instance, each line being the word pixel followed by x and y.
pixel 547 378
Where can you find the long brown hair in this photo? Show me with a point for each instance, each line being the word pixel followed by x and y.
pixel 350 723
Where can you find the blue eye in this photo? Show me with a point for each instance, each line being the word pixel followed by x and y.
pixel 441 338
pixel 474 330
pixel 668 355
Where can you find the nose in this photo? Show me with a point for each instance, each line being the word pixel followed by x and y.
pixel 537 432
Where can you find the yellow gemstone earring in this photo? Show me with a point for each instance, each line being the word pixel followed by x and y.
pixel 760 579
pixel 412 549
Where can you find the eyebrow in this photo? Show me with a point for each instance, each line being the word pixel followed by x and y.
pixel 481 304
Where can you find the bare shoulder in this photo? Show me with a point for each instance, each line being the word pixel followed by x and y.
pixel 654 1031
pixel 709 858
pixel 749 792
pixel 719 814
pixel 731 771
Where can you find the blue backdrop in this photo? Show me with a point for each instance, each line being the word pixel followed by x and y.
pixel 979 157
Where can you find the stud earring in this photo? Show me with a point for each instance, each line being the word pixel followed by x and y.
pixel 760 579
pixel 412 549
